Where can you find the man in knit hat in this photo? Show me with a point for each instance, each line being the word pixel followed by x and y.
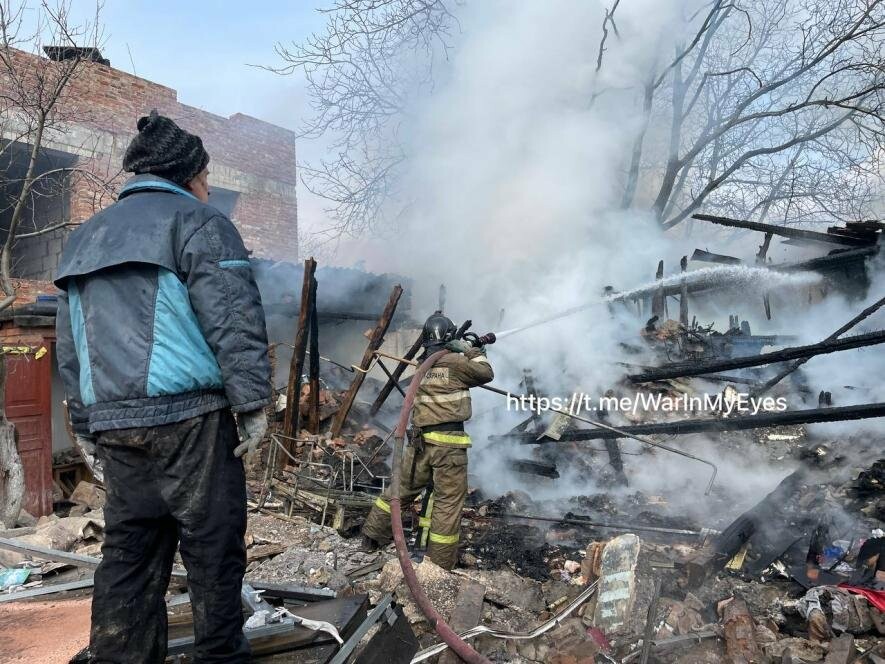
pixel 162 347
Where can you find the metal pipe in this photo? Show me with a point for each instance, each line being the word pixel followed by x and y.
pixel 458 645
pixel 514 636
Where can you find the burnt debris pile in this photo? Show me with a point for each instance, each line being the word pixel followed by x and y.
pixel 724 501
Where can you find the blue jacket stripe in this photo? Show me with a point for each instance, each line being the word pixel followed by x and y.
pixel 154 185
pixel 181 360
pixel 81 345
pixel 229 263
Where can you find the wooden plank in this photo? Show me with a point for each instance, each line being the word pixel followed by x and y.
pixel 88 582
pixel 296 366
pixel 77 559
pixel 345 613
pixel 658 300
pixel 740 639
pixel 683 294
pixel 783 231
pixel 313 409
pixel 466 614
pixel 375 341
pixel 742 423
pixel 703 256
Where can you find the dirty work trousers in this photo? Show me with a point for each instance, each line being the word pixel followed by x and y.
pixel 171 485
pixel 446 468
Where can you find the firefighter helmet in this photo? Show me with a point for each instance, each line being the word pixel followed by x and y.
pixel 438 329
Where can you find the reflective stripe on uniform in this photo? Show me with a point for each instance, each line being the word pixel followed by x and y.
pixel 436 538
pixel 448 438
pixel 382 505
pixel 443 398
pixel 424 521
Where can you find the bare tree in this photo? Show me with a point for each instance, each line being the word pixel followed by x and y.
pixel 34 104
pixel 361 74
pixel 766 108
pixel 768 105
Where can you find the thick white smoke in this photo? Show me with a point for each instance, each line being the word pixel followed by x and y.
pixel 516 173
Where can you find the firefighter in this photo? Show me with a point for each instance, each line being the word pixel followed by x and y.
pixel 161 342
pixel 437 451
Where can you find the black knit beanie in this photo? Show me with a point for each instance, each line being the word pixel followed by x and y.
pixel 163 148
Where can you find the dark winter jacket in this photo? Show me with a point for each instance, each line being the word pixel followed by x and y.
pixel 160 319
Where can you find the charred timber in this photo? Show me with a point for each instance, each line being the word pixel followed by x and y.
pixel 313 349
pixel 695 368
pixel 834 260
pixel 784 231
pixel 375 341
pixel 681 427
pixel 702 256
pixel 299 349
pixel 726 544
pixel 393 379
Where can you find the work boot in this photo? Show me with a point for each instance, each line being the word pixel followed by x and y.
pixel 368 545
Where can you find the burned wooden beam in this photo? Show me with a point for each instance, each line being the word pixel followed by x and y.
pixel 863 315
pixel 762 254
pixel 313 407
pixel 375 341
pixel 714 556
pixel 699 368
pixel 393 379
pixel 530 467
pixel 658 300
pixel 682 427
pixel 830 261
pixel 299 348
pixel 783 231
pixel 683 294
pixel 708 257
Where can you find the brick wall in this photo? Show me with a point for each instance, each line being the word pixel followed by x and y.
pixel 248 156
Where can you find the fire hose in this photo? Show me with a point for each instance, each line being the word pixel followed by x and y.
pixel 446 633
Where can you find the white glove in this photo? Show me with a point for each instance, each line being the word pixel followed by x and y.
pixel 252 427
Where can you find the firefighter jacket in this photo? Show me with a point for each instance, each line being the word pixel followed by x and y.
pixel 443 397
pixel 160 319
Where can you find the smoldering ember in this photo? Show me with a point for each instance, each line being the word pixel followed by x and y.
pixel 536 331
